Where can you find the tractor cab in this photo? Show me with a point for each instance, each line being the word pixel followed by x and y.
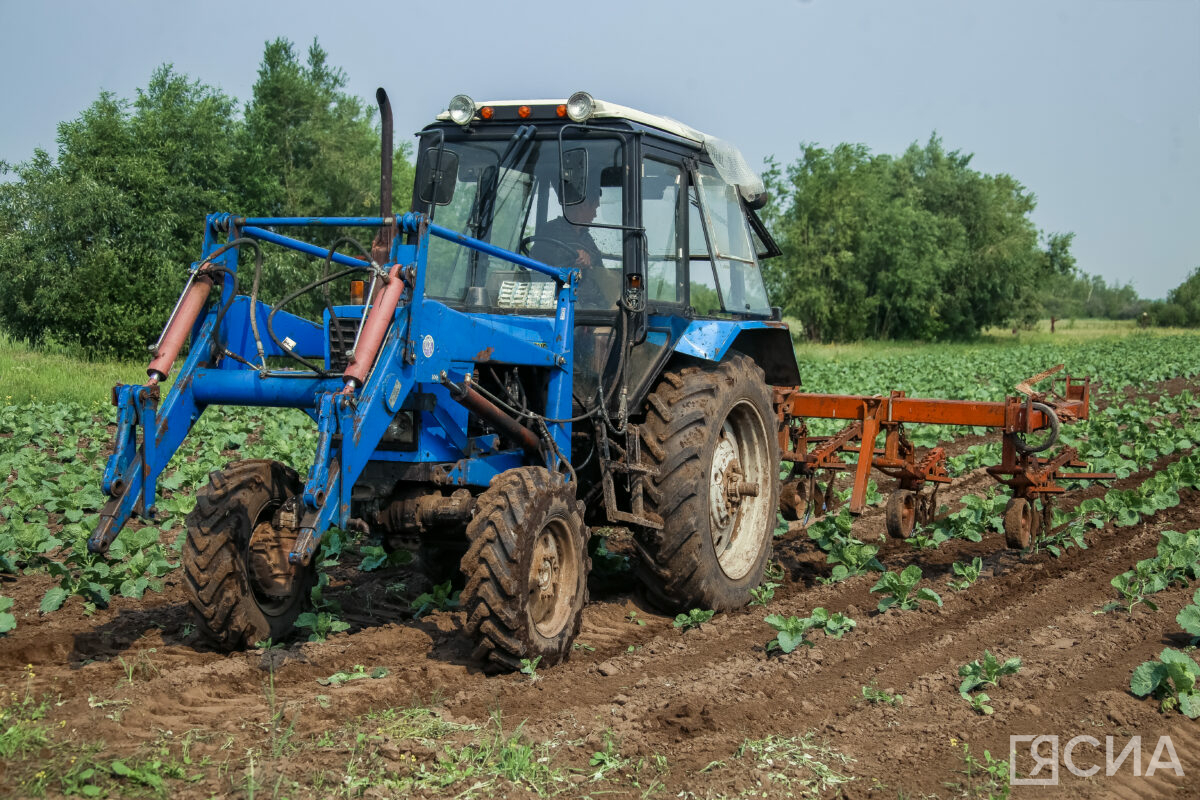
pixel 659 218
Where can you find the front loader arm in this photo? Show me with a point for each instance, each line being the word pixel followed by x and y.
pixel 131 474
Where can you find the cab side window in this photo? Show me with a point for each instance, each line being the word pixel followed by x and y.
pixel 660 216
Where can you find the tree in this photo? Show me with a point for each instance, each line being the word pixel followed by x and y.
pixel 918 246
pixel 92 245
pixel 95 241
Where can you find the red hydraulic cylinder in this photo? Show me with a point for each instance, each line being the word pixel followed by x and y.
pixel 378 319
pixel 190 306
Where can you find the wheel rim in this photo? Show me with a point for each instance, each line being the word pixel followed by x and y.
pixel 553 579
pixel 271 577
pixel 739 502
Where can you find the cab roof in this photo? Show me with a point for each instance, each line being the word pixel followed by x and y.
pixel 604 110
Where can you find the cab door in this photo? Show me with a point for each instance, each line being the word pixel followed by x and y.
pixel 662 182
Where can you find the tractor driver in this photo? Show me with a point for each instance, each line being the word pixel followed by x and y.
pixel 567 240
pixel 568 234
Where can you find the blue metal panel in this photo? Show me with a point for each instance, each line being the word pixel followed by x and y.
pixel 710 339
pixel 246 388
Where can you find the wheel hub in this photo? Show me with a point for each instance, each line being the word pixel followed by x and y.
pixel 268 560
pixel 725 473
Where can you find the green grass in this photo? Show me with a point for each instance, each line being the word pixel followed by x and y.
pixel 53 375
pixel 1066 332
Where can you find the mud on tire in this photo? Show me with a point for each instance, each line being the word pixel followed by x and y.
pixel 236 575
pixel 526 569
pixel 706 425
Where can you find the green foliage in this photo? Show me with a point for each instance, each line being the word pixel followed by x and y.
pixel 763 594
pixel 529 667
pixel 984 672
pixel 359 672
pixel 1182 306
pixel 95 240
pixel 987 777
pixel 848 555
pixel 320 624
pixel 1177 562
pixel 7 620
pixel 918 246
pixel 898 590
pixel 692 619
pixel 792 630
pixel 1171 680
pixel 375 557
pixel 967 573
pixel 876 696
pixel 440 598
pixel 1188 618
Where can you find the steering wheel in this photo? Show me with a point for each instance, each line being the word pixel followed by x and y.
pixel 528 241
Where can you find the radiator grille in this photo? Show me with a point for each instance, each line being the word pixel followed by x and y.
pixel 341 331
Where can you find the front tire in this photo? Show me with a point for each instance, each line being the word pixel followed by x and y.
pixel 711 433
pixel 526 568
pixel 238 581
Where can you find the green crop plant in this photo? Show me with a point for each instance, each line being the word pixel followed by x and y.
pixel 927 538
pixel 693 619
pixel 359 672
pixel 1171 680
pixel 986 671
pixel 7 620
pixel 763 594
pixel 967 574
pixel 876 696
pixel 898 590
pixel 848 555
pixel 439 598
pixel 980 703
pixel 791 631
pixel 529 667
pixel 1188 618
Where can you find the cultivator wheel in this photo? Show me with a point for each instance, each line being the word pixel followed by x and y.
pixel 710 432
pixel 526 569
pixel 1020 521
pixel 900 516
pixel 236 572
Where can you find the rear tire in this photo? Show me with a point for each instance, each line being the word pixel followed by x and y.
pixel 236 575
pixel 711 433
pixel 526 569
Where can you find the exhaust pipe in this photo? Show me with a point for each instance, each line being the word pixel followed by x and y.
pixel 382 246
pixel 386 155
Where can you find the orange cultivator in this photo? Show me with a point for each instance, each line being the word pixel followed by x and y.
pixel 1021 468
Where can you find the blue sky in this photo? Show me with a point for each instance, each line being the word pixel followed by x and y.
pixel 1093 104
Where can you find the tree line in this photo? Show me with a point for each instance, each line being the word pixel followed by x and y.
pixel 94 239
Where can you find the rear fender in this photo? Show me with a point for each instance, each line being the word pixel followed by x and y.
pixel 768 342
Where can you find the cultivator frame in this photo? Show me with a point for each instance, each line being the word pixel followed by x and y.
pixel 1030 476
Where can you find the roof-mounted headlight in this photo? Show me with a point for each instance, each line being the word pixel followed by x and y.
pixel 580 106
pixel 462 109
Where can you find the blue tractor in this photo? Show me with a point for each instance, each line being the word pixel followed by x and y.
pixel 568 329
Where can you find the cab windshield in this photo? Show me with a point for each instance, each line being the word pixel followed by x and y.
pixel 507 192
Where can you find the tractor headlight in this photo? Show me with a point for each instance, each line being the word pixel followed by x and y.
pixel 580 106
pixel 462 109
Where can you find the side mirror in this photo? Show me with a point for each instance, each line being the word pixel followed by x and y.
pixel 437 176
pixel 574 164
